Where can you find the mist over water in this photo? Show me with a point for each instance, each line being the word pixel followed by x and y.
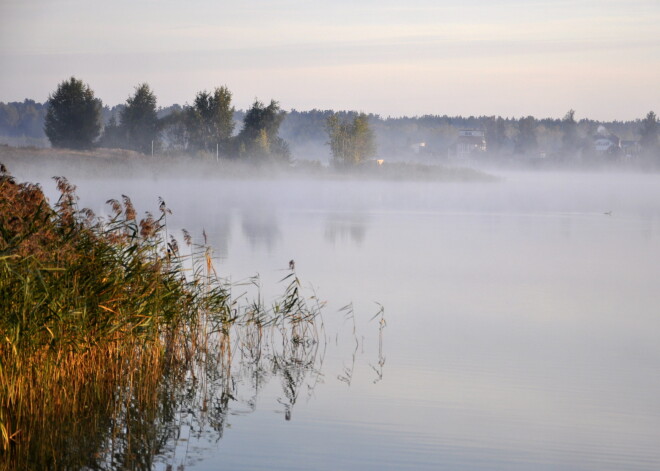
pixel 522 317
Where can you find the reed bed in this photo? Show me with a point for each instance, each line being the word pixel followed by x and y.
pixel 105 325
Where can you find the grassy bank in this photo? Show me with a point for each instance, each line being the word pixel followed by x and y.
pixel 38 162
pixel 99 318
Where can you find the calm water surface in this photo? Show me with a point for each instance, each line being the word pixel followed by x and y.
pixel 522 321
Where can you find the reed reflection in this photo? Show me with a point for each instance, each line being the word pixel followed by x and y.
pixel 380 316
pixel 219 371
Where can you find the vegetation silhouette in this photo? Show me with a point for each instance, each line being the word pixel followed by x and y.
pixel 73 117
pixel 118 336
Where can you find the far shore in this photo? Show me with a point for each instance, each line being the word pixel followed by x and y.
pixel 118 163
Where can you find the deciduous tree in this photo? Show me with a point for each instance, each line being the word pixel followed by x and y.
pixel 259 137
pixel 211 120
pixel 351 141
pixel 73 119
pixel 113 135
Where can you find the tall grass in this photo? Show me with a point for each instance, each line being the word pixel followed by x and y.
pixel 101 320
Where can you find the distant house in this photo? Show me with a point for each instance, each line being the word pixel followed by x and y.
pixel 606 143
pixel 418 147
pixel 470 142
pixel 630 148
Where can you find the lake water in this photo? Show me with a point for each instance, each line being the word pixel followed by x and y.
pixel 522 321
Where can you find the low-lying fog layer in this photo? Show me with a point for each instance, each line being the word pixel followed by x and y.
pixel 522 317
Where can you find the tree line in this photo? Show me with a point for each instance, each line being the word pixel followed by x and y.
pixel 565 140
pixel 74 120
pixel 265 132
pixel 26 118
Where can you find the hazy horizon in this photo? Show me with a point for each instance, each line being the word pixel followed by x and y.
pixel 515 58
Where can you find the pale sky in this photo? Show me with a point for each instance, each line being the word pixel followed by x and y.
pixel 412 57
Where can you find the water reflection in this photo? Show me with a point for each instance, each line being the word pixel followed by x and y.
pixel 218 227
pixel 347 374
pixel 260 227
pixel 250 358
pixel 524 335
pixel 380 316
pixel 159 424
pixel 343 226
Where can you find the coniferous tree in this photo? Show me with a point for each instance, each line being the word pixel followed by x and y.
pixel 649 134
pixel 571 143
pixel 525 141
pixel 495 134
pixel 73 119
pixel 138 120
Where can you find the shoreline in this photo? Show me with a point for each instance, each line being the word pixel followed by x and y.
pixel 118 163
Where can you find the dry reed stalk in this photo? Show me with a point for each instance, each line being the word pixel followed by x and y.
pixel 98 315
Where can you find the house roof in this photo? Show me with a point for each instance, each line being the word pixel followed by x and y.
pixel 609 137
